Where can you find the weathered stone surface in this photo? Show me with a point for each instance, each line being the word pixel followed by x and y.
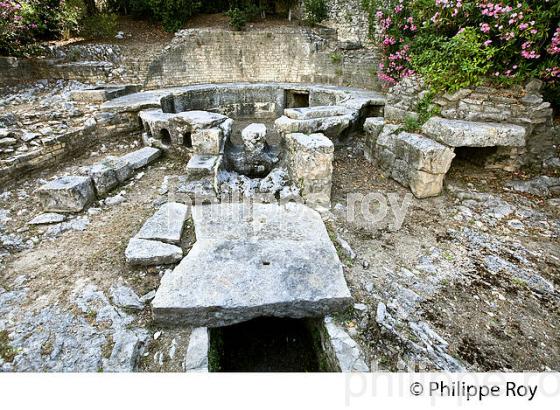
pixel 125 297
pixel 309 160
pixel 254 137
pixel 319 111
pixel 208 141
pixel 348 354
pixel 459 133
pixel 141 157
pixel 166 224
pixel 202 166
pixel 104 178
pixel 196 358
pixel 241 222
pixel 253 272
pixel 332 127
pixel 47 218
pixel 67 194
pixel 145 252
pixel 126 350
pixel 413 160
pixel 372 128
pixel 121 168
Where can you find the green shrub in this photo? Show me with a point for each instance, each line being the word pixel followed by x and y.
pixel 336 58
pixel 171 13
pixel 455 63
pixel 100 25
pixel 237 19
pixel 315 11
pixel 459 43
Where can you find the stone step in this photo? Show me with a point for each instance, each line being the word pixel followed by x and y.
pixel 202 166
pixel 167 224
pixel 267 266
pixel 142 157
pixel 319 111
pixel 144 252
pixel 460 133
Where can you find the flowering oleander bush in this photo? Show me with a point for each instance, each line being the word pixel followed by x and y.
pixel 459 43
pixel 22 22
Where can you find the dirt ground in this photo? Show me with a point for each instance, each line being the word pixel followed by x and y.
pixel 489 321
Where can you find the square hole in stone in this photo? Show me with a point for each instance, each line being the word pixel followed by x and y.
pixel 297 99
pixel 265 344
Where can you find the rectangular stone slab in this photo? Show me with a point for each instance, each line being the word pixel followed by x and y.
pixel 142 157
pixel 220 283
pixel 253 260
pixel 241 221
pixel 459 133
pixel 166 224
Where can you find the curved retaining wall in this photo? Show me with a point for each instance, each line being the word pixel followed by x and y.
pixel 247 100
pixel 198 56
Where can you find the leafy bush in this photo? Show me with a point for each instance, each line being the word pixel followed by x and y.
pixel 100 25
pixel 173 13
pixel 22 23
pixel 458 43
pixel 315 11
pixel 237 19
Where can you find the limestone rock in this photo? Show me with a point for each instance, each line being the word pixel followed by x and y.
pixel 104 178
pixel 145 252
pixel 459 133
pixel 202 166
pixel 125 351
pixel 319 111
pixel 47 218
pixel 142 157
pixel 263 265
pixel 196 358
pixel 166 225
pixel 125 297
pixel 208 141
pixel 348 354
pixel 67 194
pixel 309 160
pixel 372 128
pixel 121 168
pixel 332 127
pixel 254 137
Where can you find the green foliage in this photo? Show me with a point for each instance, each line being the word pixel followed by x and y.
pixel 237 19
pixel 336 57
pixel 102 25
pixel 315 11
pixel 455 63
pixel 23 23
pixel 461 43
pixel 411 124
pixel 173 13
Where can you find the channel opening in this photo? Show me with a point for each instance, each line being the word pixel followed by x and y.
pixel 265 344
pixel 165 137
pixel 187 140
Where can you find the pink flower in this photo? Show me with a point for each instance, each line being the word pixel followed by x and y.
pixel 484 27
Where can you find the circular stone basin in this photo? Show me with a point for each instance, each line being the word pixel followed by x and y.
pixel 249 100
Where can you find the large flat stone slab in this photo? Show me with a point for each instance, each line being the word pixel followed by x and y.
pixel 142 157
pixel 147 253
pixel 251 261
pixel 459 133
pixel 67 194
pixel 241 222
pixel 319 111
pixel 166 225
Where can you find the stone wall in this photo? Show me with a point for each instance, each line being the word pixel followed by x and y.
pixel 196 56
pixel 54 149
pixel 515 105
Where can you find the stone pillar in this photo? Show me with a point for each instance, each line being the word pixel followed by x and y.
pixel 309 159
